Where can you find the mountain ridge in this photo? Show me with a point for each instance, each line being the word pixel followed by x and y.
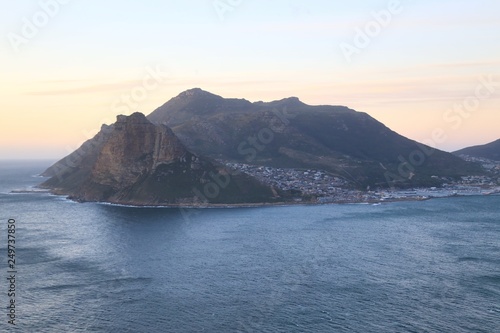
pixel 289 133
pixel 177 155
pixel 490 151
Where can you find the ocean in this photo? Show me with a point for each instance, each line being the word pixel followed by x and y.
pixel 427 266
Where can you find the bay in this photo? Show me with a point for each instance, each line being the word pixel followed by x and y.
pixel 431 266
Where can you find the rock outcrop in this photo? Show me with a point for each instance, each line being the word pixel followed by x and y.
pixel 136 162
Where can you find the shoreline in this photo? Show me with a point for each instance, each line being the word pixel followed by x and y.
pixel 36 190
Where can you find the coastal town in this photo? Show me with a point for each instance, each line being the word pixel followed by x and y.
pixel 315 186
pixel 322 187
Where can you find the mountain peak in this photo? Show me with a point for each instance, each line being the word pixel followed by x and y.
pixel 292 100
pixel 135 118
pixel 288 102
pixel 196 92
pixel 194 103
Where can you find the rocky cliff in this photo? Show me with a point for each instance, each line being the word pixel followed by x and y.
pixel 136 162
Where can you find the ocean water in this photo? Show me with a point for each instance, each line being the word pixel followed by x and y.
pixel 431 266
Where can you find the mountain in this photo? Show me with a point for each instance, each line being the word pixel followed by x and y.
pixel 196 104
pixel 137 162
pixel 291 134
pixel 490 151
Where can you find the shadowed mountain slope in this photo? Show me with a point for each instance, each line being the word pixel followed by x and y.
pixel 136 162
pixel 490 151
pixel 290 134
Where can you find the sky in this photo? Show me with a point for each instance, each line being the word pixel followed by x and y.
pixel 429 70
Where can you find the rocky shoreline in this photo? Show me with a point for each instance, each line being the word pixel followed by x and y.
pixel 390 197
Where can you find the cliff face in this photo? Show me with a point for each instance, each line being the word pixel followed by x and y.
pixel 136 147
pixel 136 162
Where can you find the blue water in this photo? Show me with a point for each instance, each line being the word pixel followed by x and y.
pixel 431 266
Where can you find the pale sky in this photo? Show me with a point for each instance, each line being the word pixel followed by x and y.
pixel 417 66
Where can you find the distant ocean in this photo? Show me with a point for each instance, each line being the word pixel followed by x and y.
pixel 430 266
